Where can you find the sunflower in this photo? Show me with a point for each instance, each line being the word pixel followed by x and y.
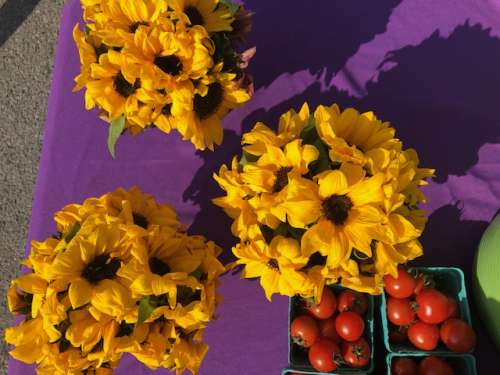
pixel 41 256
pixel 120 19
pixel 29 339
pixel 61 358
pixel 343 209
pixel 364 130
pixel 115 85
pixel 273 176
pixel 89 268
pixel 277 265
pixel 215 96
pixel 291 125
pixel 235 202
pixel 188 354
pixel 161 266
pixel 90 50
pixel 54 312
pixel 213 15
pixel 141 209
pixel 26 294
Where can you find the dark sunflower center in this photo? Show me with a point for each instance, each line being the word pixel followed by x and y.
pixel 206 106
pixel 169 64
pixel 194 15
pixel 101 50
pixel 273 264
pixel 124 87
pixel 125 329
pixel 336 208
pixel 140 220
pixel 158 266
pixel 102 267
pixel 167 109
pixel 281 179
pixel 133 27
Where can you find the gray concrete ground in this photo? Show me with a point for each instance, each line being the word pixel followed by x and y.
pixel 26 61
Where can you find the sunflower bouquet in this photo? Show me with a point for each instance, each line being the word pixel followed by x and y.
pixel 120 276
pixel 331 197
pixel 171 64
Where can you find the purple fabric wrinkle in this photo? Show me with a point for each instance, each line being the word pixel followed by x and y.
pixel 428 66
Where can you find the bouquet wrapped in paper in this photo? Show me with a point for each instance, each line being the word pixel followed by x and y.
pixel 172 64
pixel 120 276
pixel 331 197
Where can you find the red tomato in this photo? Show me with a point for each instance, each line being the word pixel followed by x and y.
pixel 458 336
pixel 322 355
pixel 327 330
pixel 326 307
pixel 434 366
pixel 349 300
pixel 432 306
pixel 400 311
pixel 424 336
pixel 452 307
pixel 398 335
pixel 419 284
pixel 356 354
pixel 349 325
pixel 404 366
pixel 400 287
pixel 304 331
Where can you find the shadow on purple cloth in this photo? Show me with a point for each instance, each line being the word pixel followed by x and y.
pixel 439 89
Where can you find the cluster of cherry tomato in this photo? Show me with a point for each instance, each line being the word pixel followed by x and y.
pixel 428 366
pixel 332 330
pixel 424 315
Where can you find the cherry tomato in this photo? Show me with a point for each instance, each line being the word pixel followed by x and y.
pixel 400 311
pixel 322 355
pixel 349 325
pixel 432 306
pixel 356 354
pixel 419 284
pixel 398 335
pixel 304 331
pixel 326 307
pixel 424 336
pixel 458 336
pixel 404 366
pixel 452 307
pixel 327 330
pixel 434 366
pixel 349 300
pixel 400 287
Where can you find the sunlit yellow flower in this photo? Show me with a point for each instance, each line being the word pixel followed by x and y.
pixel 168 57
pixel 122 17
pixel 29 339
pixel 216 95
pixel 345 214
pixel 139 208
pixel 290 127
pixel 115 85
pixel 153 351
pixel 54 313
pixel 61 359
pixel 211 14
pixel 90 267
pixel 31 289
pixel 160 266
pixel 276 265
pixel 235 202
pixel 188 354
pixel 41 256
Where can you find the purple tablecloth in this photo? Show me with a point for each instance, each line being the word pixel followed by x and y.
pixel 431 67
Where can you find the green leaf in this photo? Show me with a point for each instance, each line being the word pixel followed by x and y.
pixel 323 162
pixel 115 130
pixel 72 232
pixel 233 8
pixel 197 273
pixel 146 308
pixel 282 230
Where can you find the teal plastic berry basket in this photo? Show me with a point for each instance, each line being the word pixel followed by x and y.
pixel 464 364
pixel 297 357
pixel 448 280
